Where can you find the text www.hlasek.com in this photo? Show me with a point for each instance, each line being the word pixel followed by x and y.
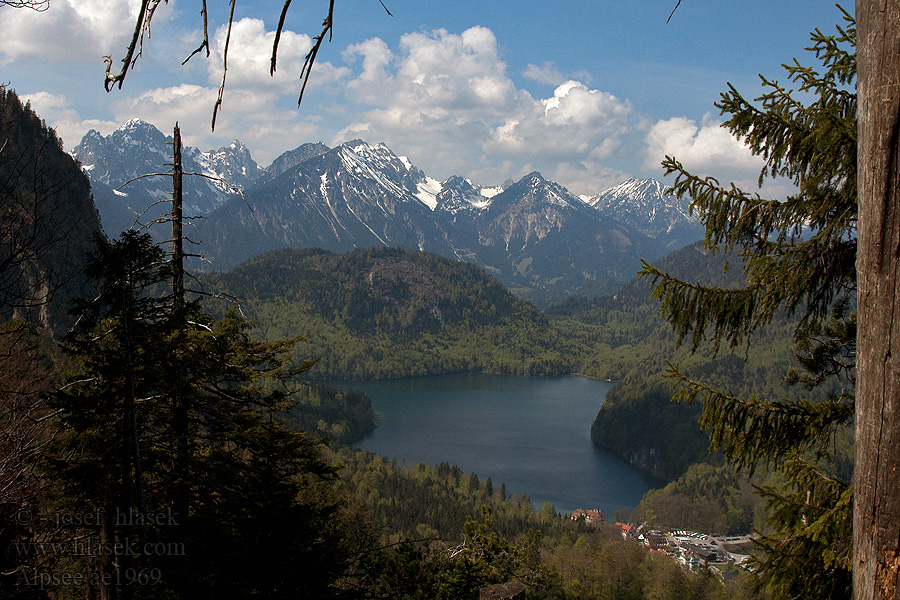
pixel 90 545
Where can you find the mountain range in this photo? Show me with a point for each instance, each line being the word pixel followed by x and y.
pixel 533 235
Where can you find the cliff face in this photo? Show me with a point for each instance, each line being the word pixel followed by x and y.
pixel 47 220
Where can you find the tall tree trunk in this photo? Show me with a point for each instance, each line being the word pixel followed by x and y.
pixel 177 219
pixel 876 519
pixel 179 405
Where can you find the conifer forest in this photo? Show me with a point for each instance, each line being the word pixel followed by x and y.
pixel 170 429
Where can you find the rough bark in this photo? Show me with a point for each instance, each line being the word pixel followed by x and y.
pixel 876 523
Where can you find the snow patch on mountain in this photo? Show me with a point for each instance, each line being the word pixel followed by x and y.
pixel 429 188
pixel 360 158
pixel 137 149
pixel 490 192
pixel 645 205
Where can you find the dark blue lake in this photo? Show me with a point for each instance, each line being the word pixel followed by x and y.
pixel 531 433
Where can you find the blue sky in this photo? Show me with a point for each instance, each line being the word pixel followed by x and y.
pixel 588 93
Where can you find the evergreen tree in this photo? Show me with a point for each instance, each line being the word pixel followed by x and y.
pixel 799 256
pixel 111 397
pixel 246 503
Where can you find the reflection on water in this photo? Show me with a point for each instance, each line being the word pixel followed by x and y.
pixel 533 434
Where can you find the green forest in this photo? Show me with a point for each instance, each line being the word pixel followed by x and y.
pixel 166 436
pixel 386 313
pixel 159 444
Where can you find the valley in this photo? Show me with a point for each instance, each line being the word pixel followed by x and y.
pixel 405 276
pixel 438 328
pixel 343 376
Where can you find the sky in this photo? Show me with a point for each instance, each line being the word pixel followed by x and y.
pixel 589 93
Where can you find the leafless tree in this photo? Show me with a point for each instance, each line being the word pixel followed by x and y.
pixel 26 376
pixel 142 27
pixel 38 5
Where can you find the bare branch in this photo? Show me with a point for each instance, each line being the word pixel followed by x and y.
pixel 38 420
pixel 127 62
pixel 151 10
pixel 311 55
pixel 200 325
pixel 35 5
pixel 142 177
pixel 284 10
pixel 224 66
pixel 137 219
pixel 145 15
pixel 205 42
pixel 233 188
pixel 677 4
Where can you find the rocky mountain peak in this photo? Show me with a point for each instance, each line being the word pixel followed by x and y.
pixel 645 205
pixel 291 159
pixel 536 193
pixel 138 148
pixel 533 234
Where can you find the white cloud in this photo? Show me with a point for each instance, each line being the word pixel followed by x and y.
pixel 707 148
pixel 249 59
pixel 258 109
pixel 190 104
pixel 69 30
pixel 376 56
pixel 586 177
pixel 56 110
pixel 434 74
pixel 448 99
pixel 252 117
pixel 547 74
pixel 577 122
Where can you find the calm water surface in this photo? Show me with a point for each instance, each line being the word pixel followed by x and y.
pixel 531 433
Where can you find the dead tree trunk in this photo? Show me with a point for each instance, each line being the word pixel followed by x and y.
pixel 179 402
pixel 876 520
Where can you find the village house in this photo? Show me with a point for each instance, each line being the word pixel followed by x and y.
pixel 628 530
pixel 589 516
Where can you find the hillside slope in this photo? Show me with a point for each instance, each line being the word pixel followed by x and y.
pixel 630 343
pixel 47 220
pixel 388 313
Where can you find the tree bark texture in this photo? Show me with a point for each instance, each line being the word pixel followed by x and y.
pixel 876 519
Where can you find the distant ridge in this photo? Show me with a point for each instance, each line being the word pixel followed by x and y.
pixel 391 313
pixel 534 235
pixel 644 205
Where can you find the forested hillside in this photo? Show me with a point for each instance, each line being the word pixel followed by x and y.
pixel 342 416
pixel 444 532
pixel 389 313
pixel 47 219
pixel 631 344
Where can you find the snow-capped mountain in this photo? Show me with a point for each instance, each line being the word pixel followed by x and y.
pixel 290 159
pixel 351 196
pixel 536 233
pixel 644 205
pixel 232 164
pixel 533 235
pixel 138 148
